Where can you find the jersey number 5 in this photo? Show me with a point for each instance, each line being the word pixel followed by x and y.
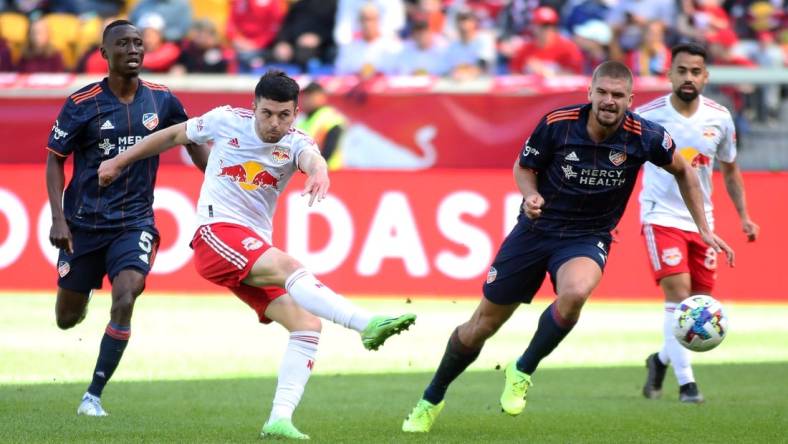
pixel 146 244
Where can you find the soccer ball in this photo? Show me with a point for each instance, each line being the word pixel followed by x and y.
pixel 700 323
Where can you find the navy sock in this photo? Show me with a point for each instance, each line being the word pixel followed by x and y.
pixel 456 359
pixel 552 329
pixel 113 343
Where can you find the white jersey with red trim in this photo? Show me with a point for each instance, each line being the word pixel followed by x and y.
pixel 706 135
pixel 244 176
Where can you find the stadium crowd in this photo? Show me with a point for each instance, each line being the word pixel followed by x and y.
pixel 455 38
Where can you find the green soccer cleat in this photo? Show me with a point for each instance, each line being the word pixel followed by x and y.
pixel 381 328
pixel 514 390
pixel 282 429
pixel 422 417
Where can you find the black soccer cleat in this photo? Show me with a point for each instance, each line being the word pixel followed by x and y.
pixel 652 389
pixel 690 394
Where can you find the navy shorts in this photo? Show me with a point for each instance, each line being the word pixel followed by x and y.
pixel 526 256
pixel 105 252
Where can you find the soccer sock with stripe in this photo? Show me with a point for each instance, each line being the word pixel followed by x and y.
pixel 114 342
pixel 456 359
pixel 675 353
pixel 322 302
pixel 294 373
pixel 551 330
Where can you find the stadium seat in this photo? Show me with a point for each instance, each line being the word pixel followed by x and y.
pixel 89 35
pixel 64 32
pixel 217 11
pixel 13 28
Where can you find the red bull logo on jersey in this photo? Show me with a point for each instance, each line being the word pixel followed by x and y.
pixel 280 155
pixel 150 120
pixel 249 175
pixel 695 157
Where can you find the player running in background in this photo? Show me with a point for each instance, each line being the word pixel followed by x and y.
pixel 255 153
pixel 107 231
pixel 576 173
pixel 683 265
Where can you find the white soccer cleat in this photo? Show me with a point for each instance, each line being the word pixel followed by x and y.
pixel 91 406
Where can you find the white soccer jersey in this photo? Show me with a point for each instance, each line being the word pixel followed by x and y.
pixel 706 135
pixel 244 176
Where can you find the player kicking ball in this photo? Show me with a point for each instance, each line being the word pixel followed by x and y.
pixel 576 173
pixel 255 153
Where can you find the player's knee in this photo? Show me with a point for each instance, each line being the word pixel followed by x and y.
pixel 67 320
pixel 482 329
pixel 122 306
pixel 572 300
pixel 312 323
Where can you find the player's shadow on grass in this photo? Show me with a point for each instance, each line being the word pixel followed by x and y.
pixel 746 403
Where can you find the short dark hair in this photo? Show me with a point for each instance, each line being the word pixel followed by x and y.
pixel 114 25
pixel 313 87
pixel 690 48
pixel 277 86
pixel 612 69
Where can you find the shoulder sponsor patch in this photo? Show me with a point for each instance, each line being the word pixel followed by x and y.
pixel 666 140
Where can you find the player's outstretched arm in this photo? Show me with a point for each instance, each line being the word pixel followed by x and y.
pixel 199 154
pixel 317 182
pixel 151 145
pixel 689 186
pixel 734 184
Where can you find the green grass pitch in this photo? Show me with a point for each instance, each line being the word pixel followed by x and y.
pixel 202 370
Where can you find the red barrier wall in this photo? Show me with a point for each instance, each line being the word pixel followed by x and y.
pixel 392 233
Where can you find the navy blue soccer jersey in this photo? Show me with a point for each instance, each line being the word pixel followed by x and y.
pixel 94 125
pixel 586 185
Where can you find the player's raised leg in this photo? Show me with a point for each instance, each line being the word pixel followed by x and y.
pixel 126 286
pixel 275 267
pixel 464 346
pixel 296 367
pixel 575 280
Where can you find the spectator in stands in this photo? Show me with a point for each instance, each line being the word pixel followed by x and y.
pixel 38 54
pixel 593 39
pixel 6 63
pixel 423 53
pixel 370 53
pixel 629 19
pixel 305 38
pixel 652 58
pixel 700 18
pixel 91 61
pixel 347 27
pixel 101 8
pixel 473 53
pixel 251 28
pixel 177 14
pixel 160 55
pixel 202 51
pixel 577 12
pixel 431 9
pixel 549 53
pixel 322 122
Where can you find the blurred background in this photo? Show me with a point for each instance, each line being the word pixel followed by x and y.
pixel 420 107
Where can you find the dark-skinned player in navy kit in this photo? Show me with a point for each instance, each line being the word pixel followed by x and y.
pixel 107 231
pixel 576 173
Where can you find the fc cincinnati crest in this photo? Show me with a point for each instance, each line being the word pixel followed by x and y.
pixel 63 268
pixel 617 157
pixel 150 120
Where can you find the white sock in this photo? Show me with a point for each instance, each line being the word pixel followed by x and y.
pixel 322 302
pixel 674 352
pixel 294 373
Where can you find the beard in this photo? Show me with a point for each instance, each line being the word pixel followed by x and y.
pixel 686 96
pixel 604 123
